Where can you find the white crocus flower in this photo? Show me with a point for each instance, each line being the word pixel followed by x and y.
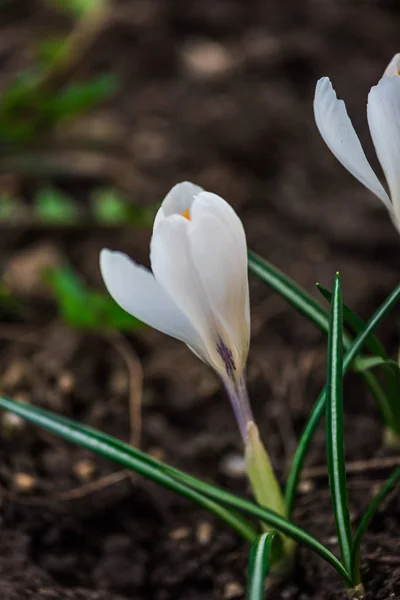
pixel 383 112
pixel 198 289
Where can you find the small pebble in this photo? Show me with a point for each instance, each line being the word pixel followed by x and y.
pixel 13 375
pixel 84 469
pixel 332 541
pixel 180 533
pixel 306 487
pixel 204 532
pixel 22 397
pixel 11 424
pixel 157 452
pixel 66 383
pixel 206 59
pixel 23 482
pixel 119 383
pixel 233 466
pixel 233 590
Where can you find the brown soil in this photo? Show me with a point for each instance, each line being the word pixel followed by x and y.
pixel 239 123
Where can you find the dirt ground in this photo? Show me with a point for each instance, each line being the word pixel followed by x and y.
pixel 218 92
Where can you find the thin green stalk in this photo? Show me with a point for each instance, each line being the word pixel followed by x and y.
pixel 367 518
pixel 301 300
pixel 334 427
pixel 316 414
pixel 266 489
pixel 357 325
pixel 306 305
pixel 168 477
pixel 385 406
pixel 101 445
pixel 259 565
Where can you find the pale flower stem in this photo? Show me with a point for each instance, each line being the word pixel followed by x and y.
pixel 265 486
pixel 260 472
pixel 240 402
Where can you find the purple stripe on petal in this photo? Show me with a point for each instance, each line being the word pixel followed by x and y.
pixel 227 356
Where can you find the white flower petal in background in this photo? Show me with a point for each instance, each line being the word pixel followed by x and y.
pixel 134 288
pixel 384 122
pixel 339 135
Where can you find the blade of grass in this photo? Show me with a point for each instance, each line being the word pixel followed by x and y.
pixel 356 324
pixel 319 407
pixel 334 426
pixel 168 477
pixel 301 300
pixel 309 307
pixel 387 487
pixel 102 445
pixel 259 565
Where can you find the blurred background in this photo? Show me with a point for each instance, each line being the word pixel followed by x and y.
pixel 104 105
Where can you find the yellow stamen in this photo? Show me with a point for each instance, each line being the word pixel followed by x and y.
pixel 186 215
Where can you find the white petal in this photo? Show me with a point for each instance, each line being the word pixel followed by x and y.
pixel 177 201
pixel 134 288
pixel 384 123
pixel 393 67
pixel 338 133
pixel 219 252
pixel 173 267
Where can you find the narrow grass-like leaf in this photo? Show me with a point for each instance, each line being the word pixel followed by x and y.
pixel 356 324
pixel 387 398
pixel 352 352
pixel 259 565
pixel 117 451
pixel 169 477
pixel 334 426
pixel 387 487
pixel 306 305
pixel 294 294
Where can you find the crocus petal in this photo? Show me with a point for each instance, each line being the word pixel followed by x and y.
pixel 179 199
pixel 384 123
pixel 222 265
pixel 174 269
pixel 134 288
pixel 393 68
pixel 338 133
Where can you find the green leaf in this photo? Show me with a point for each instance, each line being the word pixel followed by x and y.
pixel 353 351
pixel 168 477
pixel 78 98
pixel 356 324
pixel 259 565
pixel 77 8
pixel 110 208
pixel 334 426
pixel 387 487
pixel 123 454
pixel 85 309
pixel 50 49
pixel 388 399
pixel 365 363
pixel 52 207
pixel 303 302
